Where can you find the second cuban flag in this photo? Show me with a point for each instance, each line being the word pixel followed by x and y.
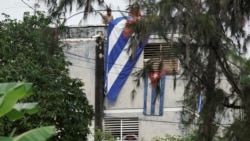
pixel 154 88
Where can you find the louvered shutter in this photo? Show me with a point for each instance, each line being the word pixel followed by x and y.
pixel 157 52
pixel 121 127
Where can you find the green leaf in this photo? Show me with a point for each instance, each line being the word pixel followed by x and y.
pixel 6 139
pixel 20 108
pixel 5 87
pixel 12 92
pixel 29 108
pixel 14 115
pixel 38 134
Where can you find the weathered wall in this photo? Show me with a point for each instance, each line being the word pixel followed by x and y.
pixel 81 53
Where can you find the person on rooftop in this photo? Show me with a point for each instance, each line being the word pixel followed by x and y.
pixel 108 17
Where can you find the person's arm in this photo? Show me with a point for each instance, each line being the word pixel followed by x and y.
pixel 105 19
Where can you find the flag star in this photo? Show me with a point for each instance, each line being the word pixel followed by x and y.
pixel 155 75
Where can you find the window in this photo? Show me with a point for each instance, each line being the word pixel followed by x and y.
pixel 122 128
pixel 157 52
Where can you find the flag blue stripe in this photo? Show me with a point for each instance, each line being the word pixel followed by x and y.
pixel 199 103
pixel 145 96
pixel 163 79
pixel 153 100
pixel 121 79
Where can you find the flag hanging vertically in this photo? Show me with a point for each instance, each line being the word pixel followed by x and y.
pixel 118 64
pixel 154 87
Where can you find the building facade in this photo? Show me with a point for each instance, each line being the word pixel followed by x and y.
pixel 125 118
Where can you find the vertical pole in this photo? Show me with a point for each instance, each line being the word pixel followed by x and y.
pixel 99 82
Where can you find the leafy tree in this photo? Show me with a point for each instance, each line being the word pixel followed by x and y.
pixel 30 51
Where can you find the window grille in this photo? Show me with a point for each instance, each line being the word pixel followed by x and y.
pixel 120 128
pixel 157 52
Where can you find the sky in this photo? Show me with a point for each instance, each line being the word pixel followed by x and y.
pixel 16 8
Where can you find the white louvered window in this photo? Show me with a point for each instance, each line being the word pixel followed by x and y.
pixel 158 52
pixel 122 128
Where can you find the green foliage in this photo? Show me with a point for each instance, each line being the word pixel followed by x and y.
pixel 10 94
pixel 30 51
pixel 100 136
pixel 238 129
pixel 189 137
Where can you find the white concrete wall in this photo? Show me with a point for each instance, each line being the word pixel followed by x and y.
pixel 81 53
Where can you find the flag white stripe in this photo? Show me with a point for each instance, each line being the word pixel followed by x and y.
pixel 117 67
pixel 149 98
pixel 115 34
pixel 157 105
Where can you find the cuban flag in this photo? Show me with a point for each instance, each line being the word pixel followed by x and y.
pixel 118 63
pixel 154 87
